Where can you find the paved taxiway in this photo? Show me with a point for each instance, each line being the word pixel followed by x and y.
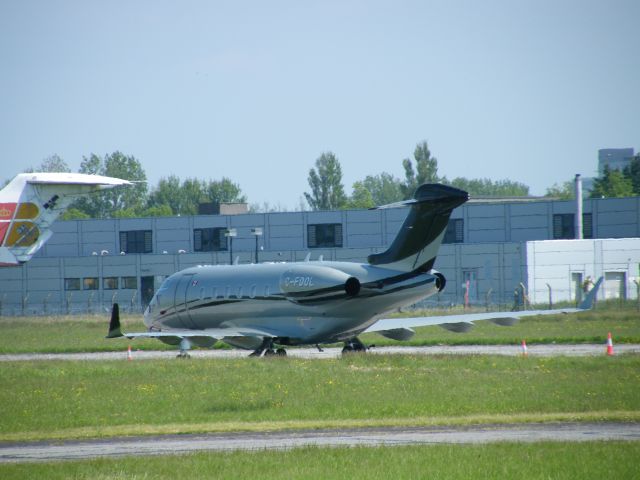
pixel 179 444
pixel 510 350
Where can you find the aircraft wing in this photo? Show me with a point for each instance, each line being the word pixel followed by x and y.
pixel 400 328
pixel 206 336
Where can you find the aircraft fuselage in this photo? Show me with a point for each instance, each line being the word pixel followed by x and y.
pixel 313 302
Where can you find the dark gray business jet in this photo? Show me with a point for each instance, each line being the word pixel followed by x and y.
pixel 265 307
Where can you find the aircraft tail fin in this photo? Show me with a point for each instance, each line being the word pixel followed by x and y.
pixel 114 324
pixel 31 202
pixel 417 243
pixel 590 298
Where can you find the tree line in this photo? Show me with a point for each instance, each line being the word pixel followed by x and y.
pixel 173 196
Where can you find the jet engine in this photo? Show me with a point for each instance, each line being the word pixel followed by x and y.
pixel 304 283
pixel 441 281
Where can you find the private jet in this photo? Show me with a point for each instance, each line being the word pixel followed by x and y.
pixel 267 307
pixel 31 202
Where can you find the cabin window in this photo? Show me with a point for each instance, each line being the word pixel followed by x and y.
pixel 564 228
pixel 239 292
pixel 254 289
pixel 90 283
pixel 227 292
pixel 454 232
pixel 72 284
pixel 214 292
pixel 202 293
pixel 110 283
pixel 266 291
pixel 136 241
pixel 209 239
pixel 324 235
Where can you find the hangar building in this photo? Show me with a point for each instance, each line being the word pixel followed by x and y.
pixel 490 249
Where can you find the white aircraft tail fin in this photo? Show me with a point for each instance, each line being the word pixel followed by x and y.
pixel 31 202
pixel 417 243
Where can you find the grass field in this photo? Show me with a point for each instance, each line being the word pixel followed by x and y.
pixel 81 334
pixel 505 461
pixel 40 400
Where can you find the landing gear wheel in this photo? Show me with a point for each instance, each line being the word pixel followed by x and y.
pixel 269 352
pixel 347 349
pixel 183 355
pixel 281 352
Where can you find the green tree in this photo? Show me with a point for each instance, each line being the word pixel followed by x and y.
pixel 223 191
pixel 167 193
pixel 612 183
pixel 632 172
pixel 384 188
pixel 115 201
pixel 486 186
pixel 361 197
pixel 183 198
pixel 327 191
pixel 566 191
pixel 425 171
pixel 53 163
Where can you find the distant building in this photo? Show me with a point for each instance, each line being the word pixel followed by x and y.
pixel 614 158
pixel 489 248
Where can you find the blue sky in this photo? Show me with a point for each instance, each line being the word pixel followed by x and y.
pixel 256 91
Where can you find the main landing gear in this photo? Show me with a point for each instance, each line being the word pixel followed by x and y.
pixel 185 345
pixel 354 345
pixel 267 348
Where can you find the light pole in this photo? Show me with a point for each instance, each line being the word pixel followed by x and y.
pixel 230 233
pixel 257 231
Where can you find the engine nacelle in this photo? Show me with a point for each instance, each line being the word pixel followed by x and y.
pixel 306 282
pixel 441 281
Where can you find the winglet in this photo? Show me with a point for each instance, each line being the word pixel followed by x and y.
pixel 114 325
pixel 590 298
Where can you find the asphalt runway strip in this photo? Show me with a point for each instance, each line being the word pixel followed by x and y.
pixel 546 350
pixel 181 444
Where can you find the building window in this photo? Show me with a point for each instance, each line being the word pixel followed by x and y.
pixel 110 283
pixel 587 225
pixel 72 284
pixel 324 235
pixel 130 283
pixel 209 239
pixel 455 231
pixel 136 241
pixel 563 227
pixel 90 283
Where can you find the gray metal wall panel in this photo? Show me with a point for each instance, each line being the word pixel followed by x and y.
pixel 478 236
pixel 486 211
pixel 248 220
pixel 290 218
pixel 486 223
pixel 210 221
pixel 530 221
pixel 170 223
pixel 127 224
pixel 529 208
pixel 364 216
pixel 355 241
pixel 286 231
pixel 324 217
pixel 618 218
pixel 617 231
pixel 523 235
pixel 87 226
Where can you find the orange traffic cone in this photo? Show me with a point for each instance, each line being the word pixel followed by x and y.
pixel 524 349
pixel 129 357
pixel 609 345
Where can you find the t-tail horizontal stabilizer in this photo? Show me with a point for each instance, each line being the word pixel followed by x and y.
pixel 417 243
